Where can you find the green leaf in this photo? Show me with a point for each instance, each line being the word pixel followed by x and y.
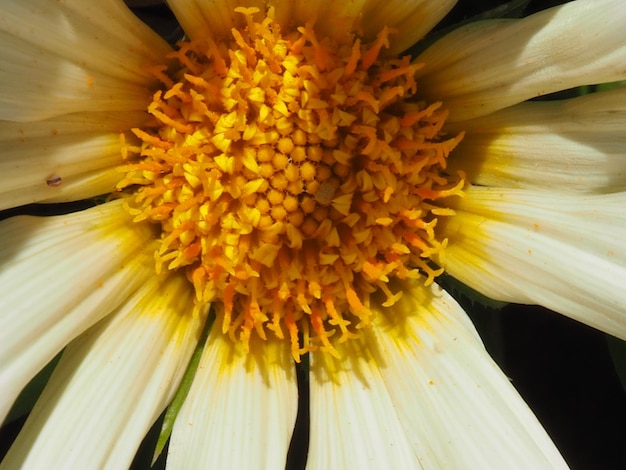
pixel 617 349
pixel 610 86
pixel 587 89
pixel 183 390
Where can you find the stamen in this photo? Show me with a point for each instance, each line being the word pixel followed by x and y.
pixel 292 175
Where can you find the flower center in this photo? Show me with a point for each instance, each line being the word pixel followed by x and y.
pixel 292 176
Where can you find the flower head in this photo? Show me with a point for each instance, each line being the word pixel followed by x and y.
pixel 289 169
pixel 292 176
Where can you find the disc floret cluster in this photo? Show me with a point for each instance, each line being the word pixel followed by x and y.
pixel 291 177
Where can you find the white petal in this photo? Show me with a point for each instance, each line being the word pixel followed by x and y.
pixel 241 408
pixel 112 383
pixel 409 21
pixel 334 18
pixel 47 160
pixel 85 185
pixel 214 19
pixel 457 405
pixel 58 276
pixel 572 145
pixel 421 378
pixel 354 421
pixel 412 19
pixel 72 56
pixel 490 65
pixel 563 251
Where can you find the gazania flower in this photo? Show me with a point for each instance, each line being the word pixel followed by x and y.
pixel 287 181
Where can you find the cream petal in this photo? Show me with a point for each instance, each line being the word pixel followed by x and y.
pixel 65 57
pixel 330 17
pixel 367 18
pixel 201 19
pixel 354 421
pixel 571 145
pixel 487 66
pixel 237 399
pixel 48 160
pixel 59 276
pixel 460 410
pixel 411 19
pixel 566 252
pixel 420 382
pixel 215 19
pixel 112 383
pixel 83 186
